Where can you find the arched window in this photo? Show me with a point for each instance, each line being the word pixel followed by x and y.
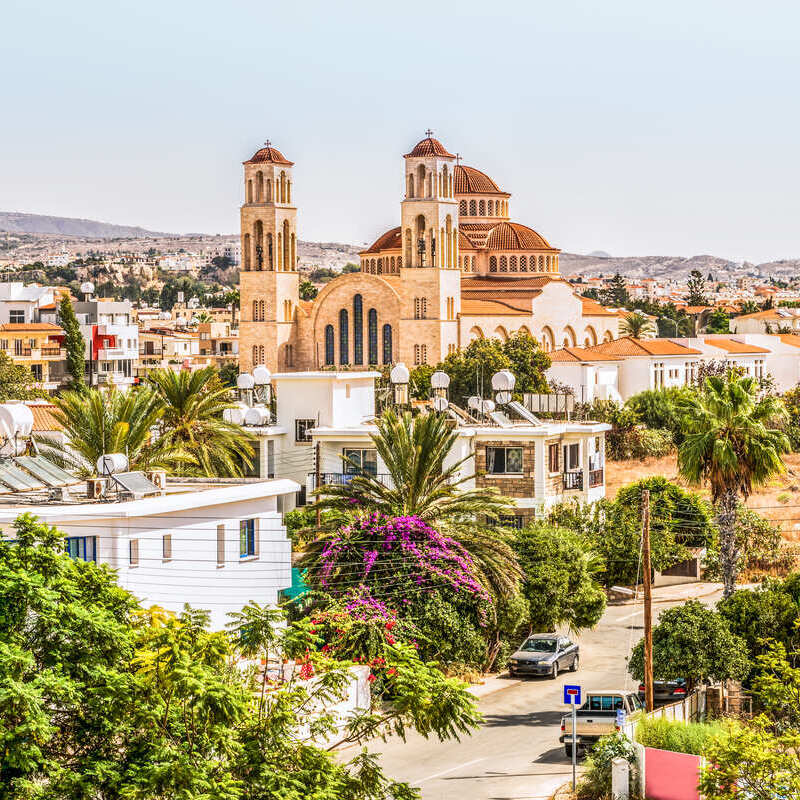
pixel 269 256
pixel 482 208
pixel 358 329
pixel 330 356
pixel 280 253
pixel 261 311
pixel 523 264
pixel 288 355
pixel 255 355
pixel 283 187
pixel 259 186
pixel 380 266
pixel 541 263
pixel 391 263
pixel 399 262
pixel 261 354
pixel 503 264
pixel 247 251
pixel 490 208
pixel 473 208
pixel 293 262
pixel 258 243
pixel 409 185
pixel 268 191
pixel 493 264
pixel 250 191
pixel 372 336
pixel 513 264
pixel 287 310
pixel 473 263
pixel 287 257
pixel 344 339
pixel 387 344
pixel 462 208
pixel 255 311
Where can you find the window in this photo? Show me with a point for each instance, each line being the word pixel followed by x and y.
pixel 358 460
pixel 220 545
pixel 330 356
pixel 36 371
pixel 511 521
pixel 84 548
pixel 248 545
pixel 302 428
pixel 420 307
pixel 133 552
pixel 420 354
pixel 358 330
pixel 16 317
pixel 552 457
pixel 504 460
pixel 166 547
pixel 387 344
pixel 344 341
pixel 372 336
pixel 571 456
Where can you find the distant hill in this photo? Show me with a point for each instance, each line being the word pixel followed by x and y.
pixel 15 222
pixel 659 267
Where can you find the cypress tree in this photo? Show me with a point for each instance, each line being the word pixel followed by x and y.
pixel 74 343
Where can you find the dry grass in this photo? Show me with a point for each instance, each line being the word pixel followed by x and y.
pixel 784 512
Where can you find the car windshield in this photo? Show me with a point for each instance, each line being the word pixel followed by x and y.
pixel 539 645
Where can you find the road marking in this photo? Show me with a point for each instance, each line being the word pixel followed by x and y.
pixel 452 769
pixel 631 616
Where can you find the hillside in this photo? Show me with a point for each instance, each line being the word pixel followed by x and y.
pixel 15 222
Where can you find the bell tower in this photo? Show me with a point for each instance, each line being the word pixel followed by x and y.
pixel 268 279
pixel 431 279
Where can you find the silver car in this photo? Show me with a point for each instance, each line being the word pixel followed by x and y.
pixel 544 654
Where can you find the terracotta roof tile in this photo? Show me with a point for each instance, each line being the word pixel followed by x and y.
pixel 480 307
pixel 628 346
pixel 269 155
pixel 469 180
pixel 43 419
pixel 40 327
pixel 391 240
pixel 732 346
pixel 464 242
pixel 429 147
pixel 594 309
pixel 497 283
pixel 513 236
pixel 581 354
pixel 790 338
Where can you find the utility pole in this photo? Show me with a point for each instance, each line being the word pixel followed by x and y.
pixel 317 476
pixel 648 602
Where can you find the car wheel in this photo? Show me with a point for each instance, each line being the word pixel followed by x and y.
pixel 554 673
pixel 568 750
pixel 575 662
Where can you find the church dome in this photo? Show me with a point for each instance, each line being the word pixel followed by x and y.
pixel 429 147
pixel 513 236
pixel 269 155
pixel 472 181
pixel 390 240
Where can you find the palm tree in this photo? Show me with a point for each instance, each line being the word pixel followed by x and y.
pixel 97 423
pixel 191 424
pixel 728 444
pixel 413 450
pixel 201 316
pixel 637 326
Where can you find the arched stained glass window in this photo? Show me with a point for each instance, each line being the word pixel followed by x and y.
pixel 358 328
pixel 344 338
pixel 330 356
pixel 387 344
pixel 372 336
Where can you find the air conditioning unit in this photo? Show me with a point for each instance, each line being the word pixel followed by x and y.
pixel 96 488
pixel 157 477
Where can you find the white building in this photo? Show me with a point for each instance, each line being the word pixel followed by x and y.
pixel 214 545
pixel 20 304
pixel 112 341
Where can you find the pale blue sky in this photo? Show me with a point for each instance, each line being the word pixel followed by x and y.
pixel 622 125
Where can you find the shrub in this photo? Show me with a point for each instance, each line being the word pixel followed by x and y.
pixel 656 409
pixel 596 780
pixel 679 737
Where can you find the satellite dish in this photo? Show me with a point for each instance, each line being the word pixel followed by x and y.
pixel 87 288
pixel 439 403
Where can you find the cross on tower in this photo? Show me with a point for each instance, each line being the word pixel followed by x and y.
pixel 458 158
pixel 429 133
pixel 268 143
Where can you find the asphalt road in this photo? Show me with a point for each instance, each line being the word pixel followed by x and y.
pixel 515 754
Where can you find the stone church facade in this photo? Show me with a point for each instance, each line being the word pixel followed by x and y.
pixel 455 269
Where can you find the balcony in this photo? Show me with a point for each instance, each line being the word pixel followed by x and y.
pixel 53 352
pixel 596 477
pixel 341 479
pixel 573 480
pixel 113 353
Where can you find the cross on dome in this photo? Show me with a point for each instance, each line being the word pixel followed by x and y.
pixel 268 143
pixel 429 133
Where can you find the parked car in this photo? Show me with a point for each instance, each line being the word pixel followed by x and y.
pixel 666 691
pixel 544 654
pixel 598 717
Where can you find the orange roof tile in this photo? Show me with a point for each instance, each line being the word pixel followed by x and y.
pixel 581 354
pixel 391 240
pixel 469 180
pixel 470 307
pixel 513 236
pixel 594 309
pixel 790 338
pixel 429 147
pixel 697 309
pixel 628 346
pixel 269 155
pixel 40 327
pixel 43 419
pixel 464 242
pixel 732 346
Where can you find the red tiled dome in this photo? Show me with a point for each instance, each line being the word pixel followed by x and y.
pixel 390 240
pixel 472 181
pixel 429 147
pixel 269 154
pixel 513 236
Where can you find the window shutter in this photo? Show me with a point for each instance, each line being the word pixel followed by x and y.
pixel 167 547
pixel 220 545
pixel 134 552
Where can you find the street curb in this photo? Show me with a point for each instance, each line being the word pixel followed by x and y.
pixel 509 684
pixel 638 601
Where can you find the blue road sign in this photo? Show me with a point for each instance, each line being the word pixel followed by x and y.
pixel 572 695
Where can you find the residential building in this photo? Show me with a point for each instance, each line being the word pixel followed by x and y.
pixel 20 303
pixel 218 342
pixel 163 348
pixel 38 346
pixel 773 320
pixel 112 341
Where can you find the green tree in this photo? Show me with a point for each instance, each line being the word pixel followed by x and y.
pixel 697 289
pixel 728 444
pixel 749 307
pixel 191 427
pixel 97 423
pixel 695 643
pixel 74 344
pixel 307 290
pixel 616 293
pixel 16 381
pixel 528 362
pixel 560 583
pixel 718 322
pixel 637 326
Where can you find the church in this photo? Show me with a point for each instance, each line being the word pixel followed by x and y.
pixel 456 269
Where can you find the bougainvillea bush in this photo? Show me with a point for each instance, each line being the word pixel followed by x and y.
pixel 412 570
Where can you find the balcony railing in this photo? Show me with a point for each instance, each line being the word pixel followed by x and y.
pixel 573 480
pixel 341 479
pixel 595 477
pixel 48 352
